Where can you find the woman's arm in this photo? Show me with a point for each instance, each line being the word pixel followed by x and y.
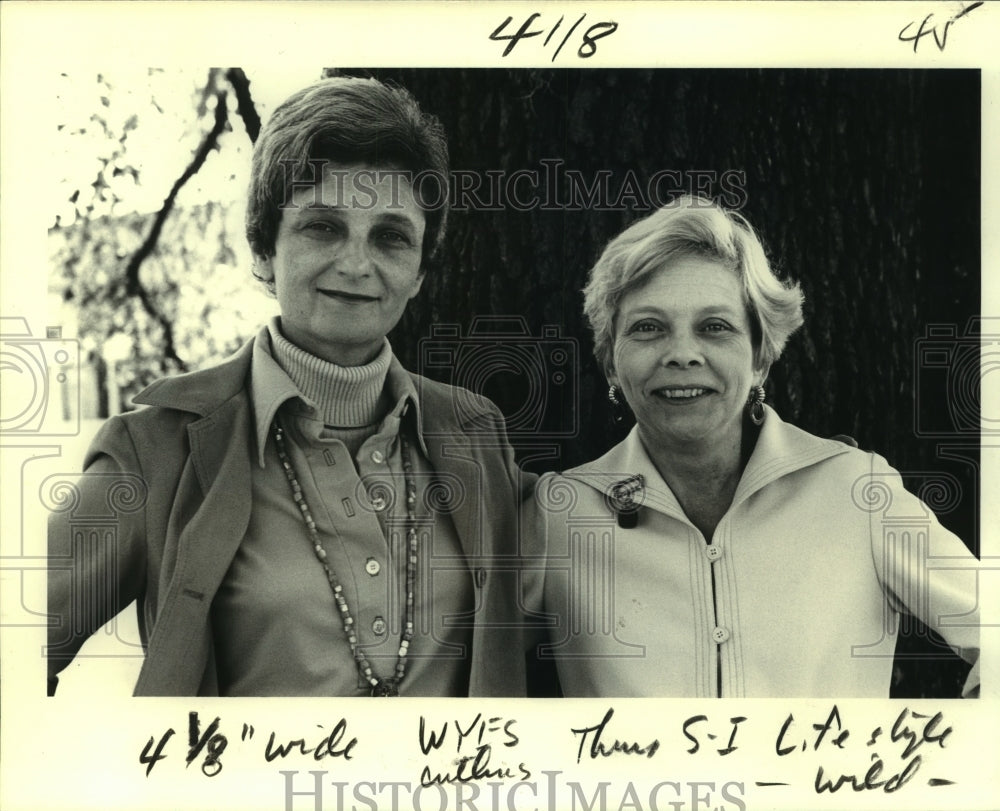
pixel 925 570
pixel 96 546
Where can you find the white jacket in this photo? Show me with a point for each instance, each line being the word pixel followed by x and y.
pixel 798 593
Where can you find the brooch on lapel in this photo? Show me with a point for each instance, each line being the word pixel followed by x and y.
pixel 625 498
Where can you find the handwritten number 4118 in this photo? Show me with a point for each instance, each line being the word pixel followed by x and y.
pixel 588 45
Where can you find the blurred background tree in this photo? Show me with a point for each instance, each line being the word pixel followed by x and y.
pixel 864 185
pixel 147 248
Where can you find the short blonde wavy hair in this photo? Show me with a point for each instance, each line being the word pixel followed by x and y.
pixel 692 226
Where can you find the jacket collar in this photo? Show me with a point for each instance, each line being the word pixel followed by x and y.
pixel 442 410
pixel 449 421
pixel 271 387
pixel 781 449
pixel 202 392
pixel 205 391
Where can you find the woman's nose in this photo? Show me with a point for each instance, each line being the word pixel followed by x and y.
pixel 354 257
pixel 682 352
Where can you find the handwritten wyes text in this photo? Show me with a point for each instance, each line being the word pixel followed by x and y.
pixel 329 741
pixel 585 43
pixel 469 745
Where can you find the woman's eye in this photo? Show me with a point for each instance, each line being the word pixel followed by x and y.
pixel 716 326
pixel 321 227
pixel 645 326
pixel 394 237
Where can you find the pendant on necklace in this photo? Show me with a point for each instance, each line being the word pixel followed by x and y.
pixel 386 688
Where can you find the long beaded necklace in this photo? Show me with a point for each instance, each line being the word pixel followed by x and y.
pixel 379 686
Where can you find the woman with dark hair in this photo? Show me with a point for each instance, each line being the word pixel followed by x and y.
pixel 312 518
pixel 718 550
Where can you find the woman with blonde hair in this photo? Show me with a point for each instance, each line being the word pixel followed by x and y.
pixel 718 550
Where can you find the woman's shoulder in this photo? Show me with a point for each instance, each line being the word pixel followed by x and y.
pixel 443 400
pixel 145 436
pixel 203 390
pixel 559 497
pixel 164 410
pixel 429 387
pixel 782 439
pixel 590 481
pixel 611 463
pixel 838 467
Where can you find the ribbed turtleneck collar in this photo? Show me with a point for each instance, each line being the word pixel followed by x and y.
pixel 346 396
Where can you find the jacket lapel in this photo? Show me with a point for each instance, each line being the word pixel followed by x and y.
pixel 781 449
pixel 450 452
pixel 220 455
pixel 485 521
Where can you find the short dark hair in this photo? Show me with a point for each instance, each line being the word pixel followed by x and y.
pixel 345 120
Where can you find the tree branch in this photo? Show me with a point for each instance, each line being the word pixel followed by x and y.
pixel 246 109
pixel 133 284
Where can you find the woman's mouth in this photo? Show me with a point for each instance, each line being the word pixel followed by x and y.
pixel 678 394
pixel 350 298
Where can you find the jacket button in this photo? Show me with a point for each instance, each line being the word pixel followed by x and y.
pixel 480 577
pixel 378 457
pixel 713 552
pixel 372 566
pixel 378 626
pixel 720 635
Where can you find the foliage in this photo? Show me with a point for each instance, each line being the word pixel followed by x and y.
pixel 157 292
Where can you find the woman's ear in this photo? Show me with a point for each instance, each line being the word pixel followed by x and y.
pixel 263 268
pixel 418 283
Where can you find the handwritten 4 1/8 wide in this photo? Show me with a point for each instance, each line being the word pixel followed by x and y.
pixel 329 743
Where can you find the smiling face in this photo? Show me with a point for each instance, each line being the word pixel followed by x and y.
pixel 346 261
pixel 683 354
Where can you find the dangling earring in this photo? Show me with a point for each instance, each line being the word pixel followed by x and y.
pixel 755 405
pixel 617 408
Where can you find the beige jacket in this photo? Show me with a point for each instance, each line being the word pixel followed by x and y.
pixel 799 592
